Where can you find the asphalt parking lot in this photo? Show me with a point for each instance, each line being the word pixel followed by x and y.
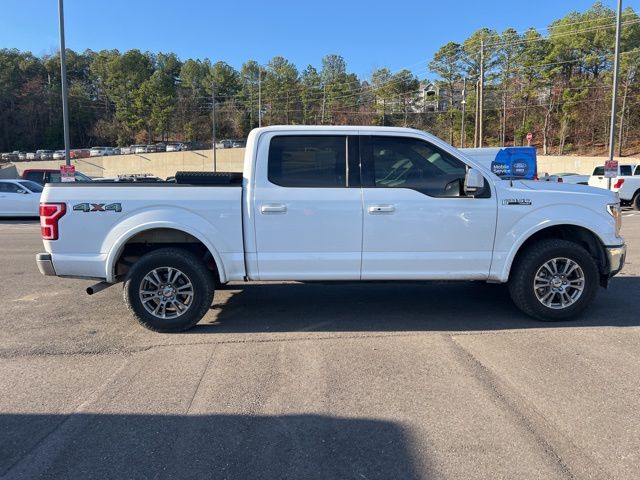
pixel 385 380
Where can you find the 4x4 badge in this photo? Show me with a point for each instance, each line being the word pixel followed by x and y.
pixel 97 207
pixel 516 201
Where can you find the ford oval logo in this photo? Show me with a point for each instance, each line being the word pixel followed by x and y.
pixel 520 168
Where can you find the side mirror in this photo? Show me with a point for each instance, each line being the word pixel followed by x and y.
pixel 473 182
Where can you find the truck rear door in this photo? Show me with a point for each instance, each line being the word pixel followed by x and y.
pixel 597 178
pixel 307 207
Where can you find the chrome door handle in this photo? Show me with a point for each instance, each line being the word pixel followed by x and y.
pixel 377 209
pixel 273 208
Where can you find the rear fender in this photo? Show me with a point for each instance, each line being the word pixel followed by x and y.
pixel 190 223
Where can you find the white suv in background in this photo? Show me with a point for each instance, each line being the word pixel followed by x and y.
pixel 99 151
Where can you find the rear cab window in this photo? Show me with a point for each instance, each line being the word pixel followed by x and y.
pixel 34 177
pixel 598 171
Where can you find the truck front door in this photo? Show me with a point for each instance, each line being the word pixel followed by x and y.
pixel 307 208
pixel 418 223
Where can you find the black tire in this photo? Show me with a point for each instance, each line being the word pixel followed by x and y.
pixel 527 265
pixel 171 260
pixel 635 203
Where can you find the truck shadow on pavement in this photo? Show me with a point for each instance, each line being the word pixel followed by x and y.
pixel 19 220
pixel 122 446
pixel 393 306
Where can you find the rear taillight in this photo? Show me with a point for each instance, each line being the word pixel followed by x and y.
pixel 50 213
pixel 618 183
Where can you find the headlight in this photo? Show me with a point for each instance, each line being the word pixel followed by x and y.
pixel 615 212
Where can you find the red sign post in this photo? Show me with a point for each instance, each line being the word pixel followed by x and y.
pixel 610 168
pixel 67 173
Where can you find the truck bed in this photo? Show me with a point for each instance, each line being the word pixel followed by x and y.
pixel 101 217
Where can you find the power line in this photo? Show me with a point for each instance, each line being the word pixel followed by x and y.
pixel 556 24
pixel 562 34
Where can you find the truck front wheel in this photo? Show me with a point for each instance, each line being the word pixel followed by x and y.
pixel 169 290
pixel 553 280
pixel 635 203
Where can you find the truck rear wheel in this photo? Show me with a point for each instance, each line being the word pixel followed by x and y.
pixel 635 203
pixel 169 290
pixel 553 280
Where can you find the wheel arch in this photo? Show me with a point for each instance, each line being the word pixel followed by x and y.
pixel 635 199
pixel 145 238
pixel 577 234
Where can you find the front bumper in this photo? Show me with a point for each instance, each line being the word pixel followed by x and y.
pixel 616 256
pixel 45 264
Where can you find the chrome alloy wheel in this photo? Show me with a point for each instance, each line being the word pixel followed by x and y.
pixel 559 283
pixel 166 292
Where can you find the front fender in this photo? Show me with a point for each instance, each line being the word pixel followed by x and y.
pixel 143 220
pixel 512 234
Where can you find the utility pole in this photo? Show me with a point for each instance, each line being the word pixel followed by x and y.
pixel 614 95
pixel 259 96
pixel 251 107
pixel 324 100
pixel 481 99
pixel 384 111
pixel 65 89
pixel 464 104
pixel 477 109
pixel 213 111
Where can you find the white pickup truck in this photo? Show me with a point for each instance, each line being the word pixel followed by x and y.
pixel 333 203
pixel 626 184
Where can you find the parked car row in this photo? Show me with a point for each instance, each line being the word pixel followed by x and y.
pixel 17 156
pixel 98 151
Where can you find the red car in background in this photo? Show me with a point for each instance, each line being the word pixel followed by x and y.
pixel 80 153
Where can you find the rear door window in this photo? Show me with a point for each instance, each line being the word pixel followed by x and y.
pixel 315 161
pixel 625 170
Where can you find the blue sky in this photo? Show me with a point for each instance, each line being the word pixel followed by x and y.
pixel 367 34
